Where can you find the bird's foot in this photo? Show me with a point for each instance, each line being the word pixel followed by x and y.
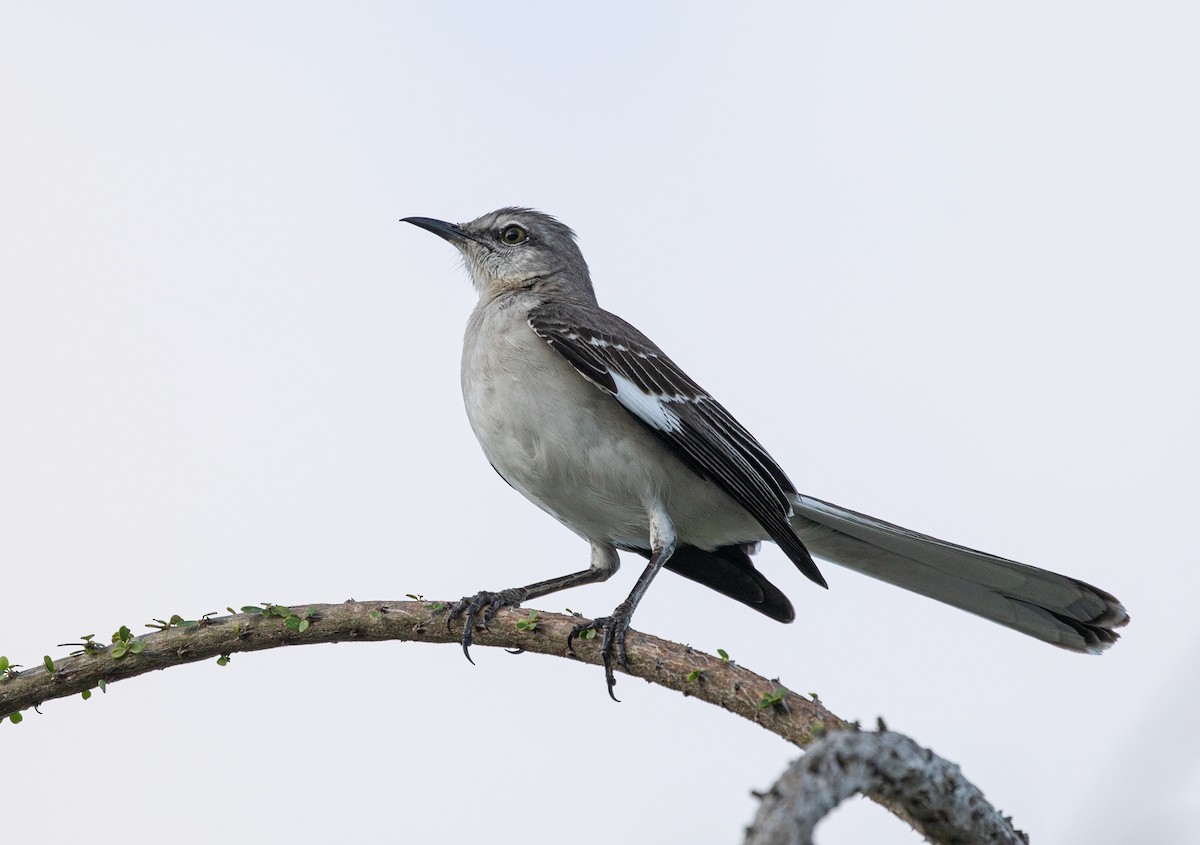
pixel 480 609
pixel 612 641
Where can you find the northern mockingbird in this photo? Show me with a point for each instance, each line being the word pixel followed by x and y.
pixel 593 423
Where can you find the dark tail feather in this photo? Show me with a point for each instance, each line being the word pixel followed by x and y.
pixel 1042 604
pixel 730 572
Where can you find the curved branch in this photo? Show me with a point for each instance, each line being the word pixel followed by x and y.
pixel 932 793
pixel 720 682
pixel 667 664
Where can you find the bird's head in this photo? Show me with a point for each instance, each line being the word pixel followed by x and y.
pixel 515 249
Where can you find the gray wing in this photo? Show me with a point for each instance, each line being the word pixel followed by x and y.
pixel 624 363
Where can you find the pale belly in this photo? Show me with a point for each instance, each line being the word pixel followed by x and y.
pixel 578 455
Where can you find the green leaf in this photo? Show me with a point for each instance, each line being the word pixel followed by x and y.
pixel 303 626
pixel 87 693
pixel 772 698
pixel 223 660
pixel 16 718
pixel 4 664
pixel 137 646
pixel 692 675
pixel 103 684
pixel 118 650
pixel 48 663
pixel 723 654
pixel 375 614
pixel 252 608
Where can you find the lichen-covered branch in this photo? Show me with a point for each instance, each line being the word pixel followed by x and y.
pixel 924 789
pixel 890 773
pixel 667 664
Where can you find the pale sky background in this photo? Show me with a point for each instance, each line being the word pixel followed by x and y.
pixel 941 257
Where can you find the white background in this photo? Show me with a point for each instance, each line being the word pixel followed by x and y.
pixel 940 257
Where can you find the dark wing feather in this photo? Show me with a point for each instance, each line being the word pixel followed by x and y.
pixel 623 362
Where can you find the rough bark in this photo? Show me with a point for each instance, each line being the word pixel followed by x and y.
pixel 667 664
pixel 720 682
pixel 929 792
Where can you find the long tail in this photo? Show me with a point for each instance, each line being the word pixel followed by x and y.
pixel 1042 604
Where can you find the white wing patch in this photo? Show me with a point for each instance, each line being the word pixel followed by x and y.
pixel 653 410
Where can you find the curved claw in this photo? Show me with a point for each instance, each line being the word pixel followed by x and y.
pixel 575 632
pixel 606 645
pixel 468 609
pixel 612 630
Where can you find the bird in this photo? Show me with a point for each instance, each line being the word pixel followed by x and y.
pixel 592 422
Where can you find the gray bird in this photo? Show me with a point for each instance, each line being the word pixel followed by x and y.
pixel 593 423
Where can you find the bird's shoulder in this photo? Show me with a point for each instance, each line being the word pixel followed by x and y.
pixel 566 315
pixel 601 344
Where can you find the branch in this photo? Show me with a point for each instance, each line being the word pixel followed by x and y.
pixel 667 664
pixel 931 792
pixel 718 681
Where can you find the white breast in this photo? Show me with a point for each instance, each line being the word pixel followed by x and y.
pixel 572 449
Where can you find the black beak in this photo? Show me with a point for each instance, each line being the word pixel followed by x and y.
pixel 440 228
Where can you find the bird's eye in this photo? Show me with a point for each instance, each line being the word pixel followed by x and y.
pixel 514 235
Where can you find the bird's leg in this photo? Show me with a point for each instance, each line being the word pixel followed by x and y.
pixel 482 607
pixel 612 628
